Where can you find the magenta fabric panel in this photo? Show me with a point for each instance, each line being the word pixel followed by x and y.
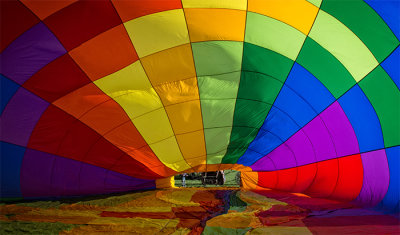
pixel 341 130
pixel 376 178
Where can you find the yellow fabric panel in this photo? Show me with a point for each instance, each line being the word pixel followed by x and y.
pixel 178 91
pixel 154 126
pixel 235 220
pixel 170 65
pixel 131 88
pixel 169 153
pixel 215 24
pixel 300 14
pixel 157 32
pixel 229 4
pixel 185 117
pixel 193 147
pixel 178 197
pixel 168 182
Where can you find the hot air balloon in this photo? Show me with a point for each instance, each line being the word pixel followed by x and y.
pixel 110 96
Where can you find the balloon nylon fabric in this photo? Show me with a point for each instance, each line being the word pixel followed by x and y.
pixel 107 96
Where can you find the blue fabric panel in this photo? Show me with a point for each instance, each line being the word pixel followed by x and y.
pixel 363 118
pixel 309 88
pixel 292 104
pixel 392 66
pixel 249 157
pixel 11 160
pixel 277 128
pixel 8 89
pixel 389 11
pixel 392 197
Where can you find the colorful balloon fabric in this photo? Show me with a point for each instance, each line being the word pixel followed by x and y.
pixel 106 96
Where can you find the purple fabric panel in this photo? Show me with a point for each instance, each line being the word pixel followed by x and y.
pixel 35 174
pixel 302 148
pixel 116 182
pixel 29 53
pixel 376 178
pixel 320 139
pixel 91 179
pixel 47 175
pixel 20 117
pixel 341 130
pixel 264 164
pixel 281 156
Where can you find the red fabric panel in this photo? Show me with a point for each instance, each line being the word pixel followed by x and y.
pixel 15 20
pixel 286 179
pixel 350 178
pixel 61 134
pixel 305 177
pixel 57 79
pixel 131 9
pixel 82 21
pixel 268 179
pixel 50 129
pixel 325 181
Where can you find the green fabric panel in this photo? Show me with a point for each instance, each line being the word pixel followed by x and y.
pixel 325 67
pixel 316 3
pixel 257 86
pixel 217 141
pixel 263 75
pixel 236 203
pixel 217 113
pixel 220 86
pixel 241 137
pixel 216 57
pixel 385 98
pixel 218 97
pixel 248 113
pixel 265 61
pixel 281 37
pixel 220 230
pixel 360 18
pixel 342 43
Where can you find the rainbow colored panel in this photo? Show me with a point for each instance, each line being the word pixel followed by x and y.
pixel 104 96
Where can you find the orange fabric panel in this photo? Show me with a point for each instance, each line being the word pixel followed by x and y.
pixel 178 91
pixel 287 179
pixel 105 54
pixel 185 117
pixel 325 181
pixel 215 24
pixel 192 147
pixel 249 180
pixel 131 9
pixel 105 117
pixel 82 100
pixel 127 138
pixel 168 182
pixel 350 178
pixel 305 177
pixel 300 14
pixel 170 65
